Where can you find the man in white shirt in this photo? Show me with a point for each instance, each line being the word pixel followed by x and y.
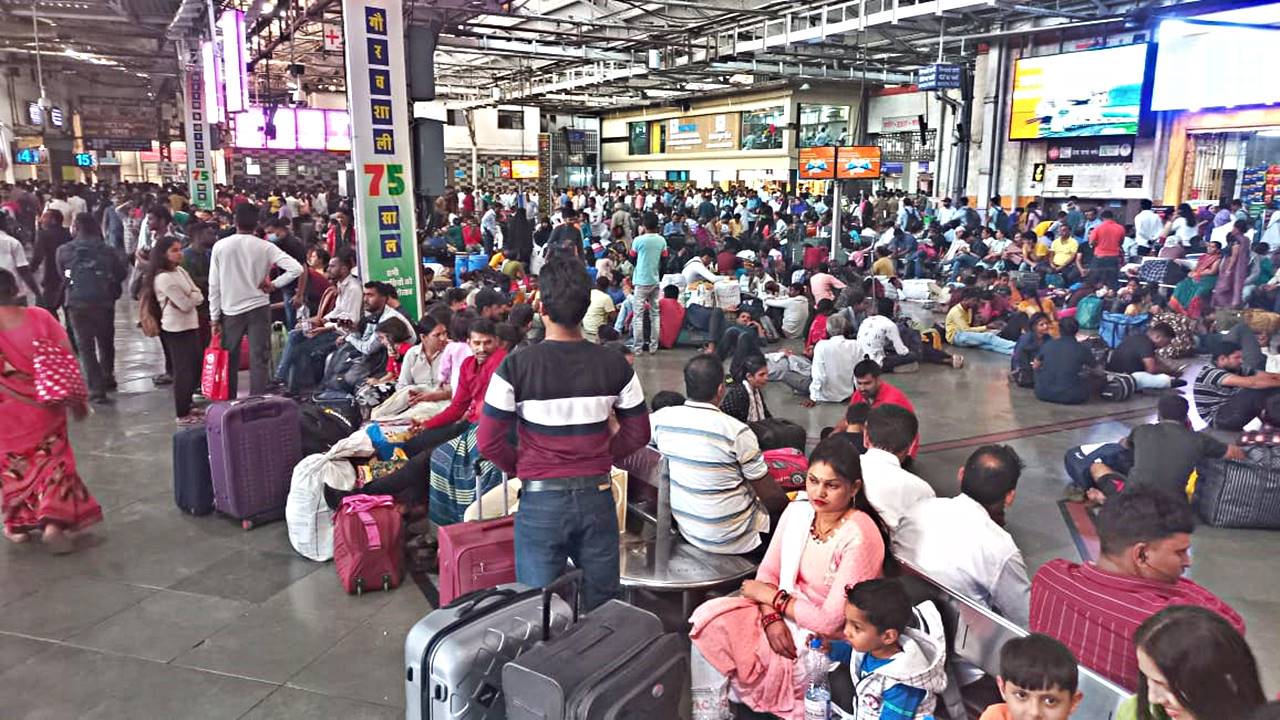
pixel 945 212
pixel 14 259
pixel 77 203
pixel 833 361
pixel 489 230
pixel 961 541
pixel 721 494
pixel 240 295
pixel 795 310
pixel 878 333
pixel 1147 228
pixel 59 202
pixel 888 436
pixel 698 268
pixel 314 338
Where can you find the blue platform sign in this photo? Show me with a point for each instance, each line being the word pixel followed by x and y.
pixel 940 76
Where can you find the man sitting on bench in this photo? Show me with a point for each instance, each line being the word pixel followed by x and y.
pixel 1095 608
pixel 722 496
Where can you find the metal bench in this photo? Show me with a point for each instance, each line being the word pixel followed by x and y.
pixel 976 634
pixel 656 558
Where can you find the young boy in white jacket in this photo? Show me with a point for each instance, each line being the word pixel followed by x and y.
pixel 898 672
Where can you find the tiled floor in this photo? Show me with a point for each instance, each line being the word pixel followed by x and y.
pixel 161 615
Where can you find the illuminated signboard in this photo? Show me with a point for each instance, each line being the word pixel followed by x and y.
pixel 28 156
pixel 858 162
pixel 295 129
pixel 817 163
pixel 235 61
pixel 525 169
pixel 84 160
pixel 1081 94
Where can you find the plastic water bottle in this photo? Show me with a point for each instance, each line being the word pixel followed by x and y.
pixel 817 695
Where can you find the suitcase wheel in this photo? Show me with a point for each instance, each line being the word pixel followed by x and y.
pixel 359 586
pixel 386 583
pixel 246 524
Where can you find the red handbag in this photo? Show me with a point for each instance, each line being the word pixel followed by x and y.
pixel 57 375
pixel 214 372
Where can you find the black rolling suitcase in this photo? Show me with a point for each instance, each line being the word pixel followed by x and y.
pixel 192 479
pixel 615 663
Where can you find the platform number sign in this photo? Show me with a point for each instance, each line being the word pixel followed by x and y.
pixel 376 89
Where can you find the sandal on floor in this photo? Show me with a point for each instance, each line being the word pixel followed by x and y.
pixel 17 538
pixel 60 543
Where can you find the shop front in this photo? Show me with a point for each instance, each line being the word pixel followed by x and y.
pixel 1225 155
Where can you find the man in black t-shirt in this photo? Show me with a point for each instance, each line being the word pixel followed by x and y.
pixel 1065 369
pixel 566 238
pixel 1136 356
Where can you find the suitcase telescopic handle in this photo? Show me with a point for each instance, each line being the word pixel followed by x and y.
pixel 572 579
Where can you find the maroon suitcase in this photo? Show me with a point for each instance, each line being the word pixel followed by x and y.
pixel 368 543
pixel 253 445
pixel 477 555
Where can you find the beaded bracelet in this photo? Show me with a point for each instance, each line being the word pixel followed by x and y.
pixel 770 619
pixel 780 601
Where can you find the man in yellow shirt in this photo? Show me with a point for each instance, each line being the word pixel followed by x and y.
pixel 1063 254
pixel 961 331
pixel 884 263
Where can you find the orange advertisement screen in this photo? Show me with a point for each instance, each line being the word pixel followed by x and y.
pixel 817 163
pixel 858 162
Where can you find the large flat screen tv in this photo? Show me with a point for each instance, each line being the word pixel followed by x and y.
pixel 1081 94
pixel 1216 65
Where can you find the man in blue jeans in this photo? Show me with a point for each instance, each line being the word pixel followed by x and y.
pixel 648 249
pixel 577 409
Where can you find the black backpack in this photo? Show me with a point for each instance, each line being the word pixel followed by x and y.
pixel 322 428
pixel 89 272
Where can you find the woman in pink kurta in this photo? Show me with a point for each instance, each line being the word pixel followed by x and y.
pixel 754 643
pixel 40 490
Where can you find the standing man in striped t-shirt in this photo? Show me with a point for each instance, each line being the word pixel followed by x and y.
pixel 577 408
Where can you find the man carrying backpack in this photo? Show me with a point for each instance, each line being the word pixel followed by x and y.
pixel 94 275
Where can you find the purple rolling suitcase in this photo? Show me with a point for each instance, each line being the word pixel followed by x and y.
pixel 253 445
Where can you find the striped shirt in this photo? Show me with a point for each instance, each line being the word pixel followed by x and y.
pixel 1096 613
pixel 559 397
pixel 712 459
pixel 1210 393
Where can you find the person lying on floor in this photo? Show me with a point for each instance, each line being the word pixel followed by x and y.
pixel 1164 454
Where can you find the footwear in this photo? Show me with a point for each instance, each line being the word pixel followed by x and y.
pixel 653 349
pixel 100 398
pixel 57 540
pixel 162 379
pixel 957 361
pixel 1073 493
pixel 1177 383
pixel 111 384
pixel 908 368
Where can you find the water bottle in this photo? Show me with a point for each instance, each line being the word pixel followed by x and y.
pixel 817 694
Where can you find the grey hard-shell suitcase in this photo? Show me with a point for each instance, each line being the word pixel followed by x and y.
pixel 614 664
pixel 454 656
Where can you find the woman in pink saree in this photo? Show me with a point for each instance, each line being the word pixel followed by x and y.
pixel 751 647
pixel 40 491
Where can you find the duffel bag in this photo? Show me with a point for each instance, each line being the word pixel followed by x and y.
pixel 1118 387
pixel 1089 312
pixel 1115 327
pixel 1240 494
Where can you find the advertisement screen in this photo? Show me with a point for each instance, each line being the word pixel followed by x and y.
pixel 817 163
pixel 1083 94
pixel 858 162
pixel 1199 66
pixel 310 128
pixel 524 169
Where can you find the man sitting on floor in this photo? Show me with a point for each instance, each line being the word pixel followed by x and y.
pixel 961 331
pixel 834 359
pixel 961 541
pixel 1229 397
pixel 893 492
pixel 1136 356
pixel 722 496
pixel 1164 454
pixel 1095 608
pixel 870 389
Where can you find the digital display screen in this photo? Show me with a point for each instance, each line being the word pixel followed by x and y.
pixel 1199 66
pixel 1081 94
pixel 28 156
pixel 235 60
pixel 84 160
pixel 817 163
pixel 858 162
pixel 296 129
pixel 311 128
pixel 286 125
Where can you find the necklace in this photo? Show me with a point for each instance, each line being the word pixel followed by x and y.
pixel 821 536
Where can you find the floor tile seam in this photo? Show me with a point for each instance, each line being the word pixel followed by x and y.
pixel 1033 431
pixel 115 653
pixel 288 682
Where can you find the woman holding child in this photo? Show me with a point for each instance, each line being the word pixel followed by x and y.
pixel 821 546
